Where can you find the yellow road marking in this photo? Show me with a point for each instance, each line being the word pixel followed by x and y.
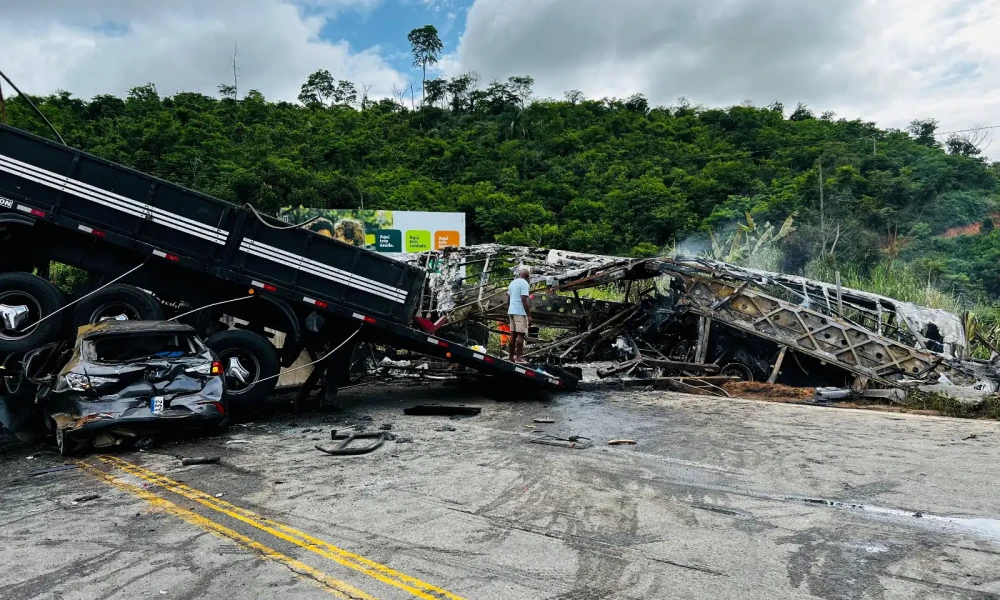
pixel 336 587
pixel 385 574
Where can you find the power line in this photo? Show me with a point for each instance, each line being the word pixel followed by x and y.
pixel 966 130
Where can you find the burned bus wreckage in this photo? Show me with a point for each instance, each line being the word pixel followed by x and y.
pixel 694 317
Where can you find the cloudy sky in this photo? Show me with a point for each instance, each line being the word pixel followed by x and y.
pixel 885 60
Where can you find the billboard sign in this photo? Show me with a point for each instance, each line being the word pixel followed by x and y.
pixel 389 231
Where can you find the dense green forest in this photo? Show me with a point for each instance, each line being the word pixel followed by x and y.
pixel 613 176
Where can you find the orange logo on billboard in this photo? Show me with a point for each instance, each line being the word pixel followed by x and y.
pixel 444 239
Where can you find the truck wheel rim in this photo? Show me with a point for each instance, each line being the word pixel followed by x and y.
pixel 24 329
pixel 115 310
pixel 246 361
pixel 737 370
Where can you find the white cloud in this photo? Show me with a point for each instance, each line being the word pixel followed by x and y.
pixel 886 60
pixel 108 46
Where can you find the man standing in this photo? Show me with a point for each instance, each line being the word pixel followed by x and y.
pixel 519 313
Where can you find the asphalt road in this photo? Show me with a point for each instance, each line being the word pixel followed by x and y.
pixel 718 499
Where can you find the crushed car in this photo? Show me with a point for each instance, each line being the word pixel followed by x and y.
pixel 122 381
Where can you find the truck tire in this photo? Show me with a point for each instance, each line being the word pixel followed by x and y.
pixel 40 298
pixel 255 359
pixel 114 300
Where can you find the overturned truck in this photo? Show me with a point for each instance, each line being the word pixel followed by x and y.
pixel 699 317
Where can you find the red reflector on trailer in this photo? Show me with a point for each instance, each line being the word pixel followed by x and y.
pixel 172 257
pixel 322 304
pixel 443 343
pixel 37 213
pixel 370 320
pixel 529 373
pixel 99 233
pixel 488 359
pixel 270 288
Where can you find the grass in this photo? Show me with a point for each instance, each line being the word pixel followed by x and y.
pixel 988 408
pixel 895 280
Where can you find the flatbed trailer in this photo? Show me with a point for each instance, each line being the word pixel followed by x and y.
pixel 191 250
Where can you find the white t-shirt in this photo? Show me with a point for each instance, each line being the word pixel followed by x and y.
pixel 518 287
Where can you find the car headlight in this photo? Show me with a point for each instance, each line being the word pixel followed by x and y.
pixel 79 382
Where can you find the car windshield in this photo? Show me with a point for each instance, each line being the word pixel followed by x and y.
pixel 120 348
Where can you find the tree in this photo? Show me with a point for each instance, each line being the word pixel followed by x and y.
pixel 971 142
pixel 318 88
pixel 344 93
pixel 520 88
pixel 637 103
pixel 227 91
pixel 426 47
pixel 801 113
pixel 461 88
pixel 574 96
pixel 961 146
pixel 923 130
pixel 365 89
pixel 435 90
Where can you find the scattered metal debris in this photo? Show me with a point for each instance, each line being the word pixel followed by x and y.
pixel 200 460
pixel 656 319
pixel 51 470
pixel 344 448
pixel 441 410
pixel 575 442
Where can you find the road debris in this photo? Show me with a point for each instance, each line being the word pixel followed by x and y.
pixel 344 448
pixel 228 442
pixel 441 410
pixel 544 421
pixel 48 470
pixel 771 391
pixel 200 460
pixel 622 443
pixel 574 442
pixel 86 498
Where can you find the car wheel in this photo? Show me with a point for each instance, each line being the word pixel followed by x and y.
pixel 24 300
pixel 122 302
pixel 246 358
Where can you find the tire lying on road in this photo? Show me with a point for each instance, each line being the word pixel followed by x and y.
pixel 246 358
pixel 26 299
pixel 115 301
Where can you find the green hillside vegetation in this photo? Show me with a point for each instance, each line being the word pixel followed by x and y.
pixel 614 176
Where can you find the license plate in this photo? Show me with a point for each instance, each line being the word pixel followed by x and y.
pixel 156 405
